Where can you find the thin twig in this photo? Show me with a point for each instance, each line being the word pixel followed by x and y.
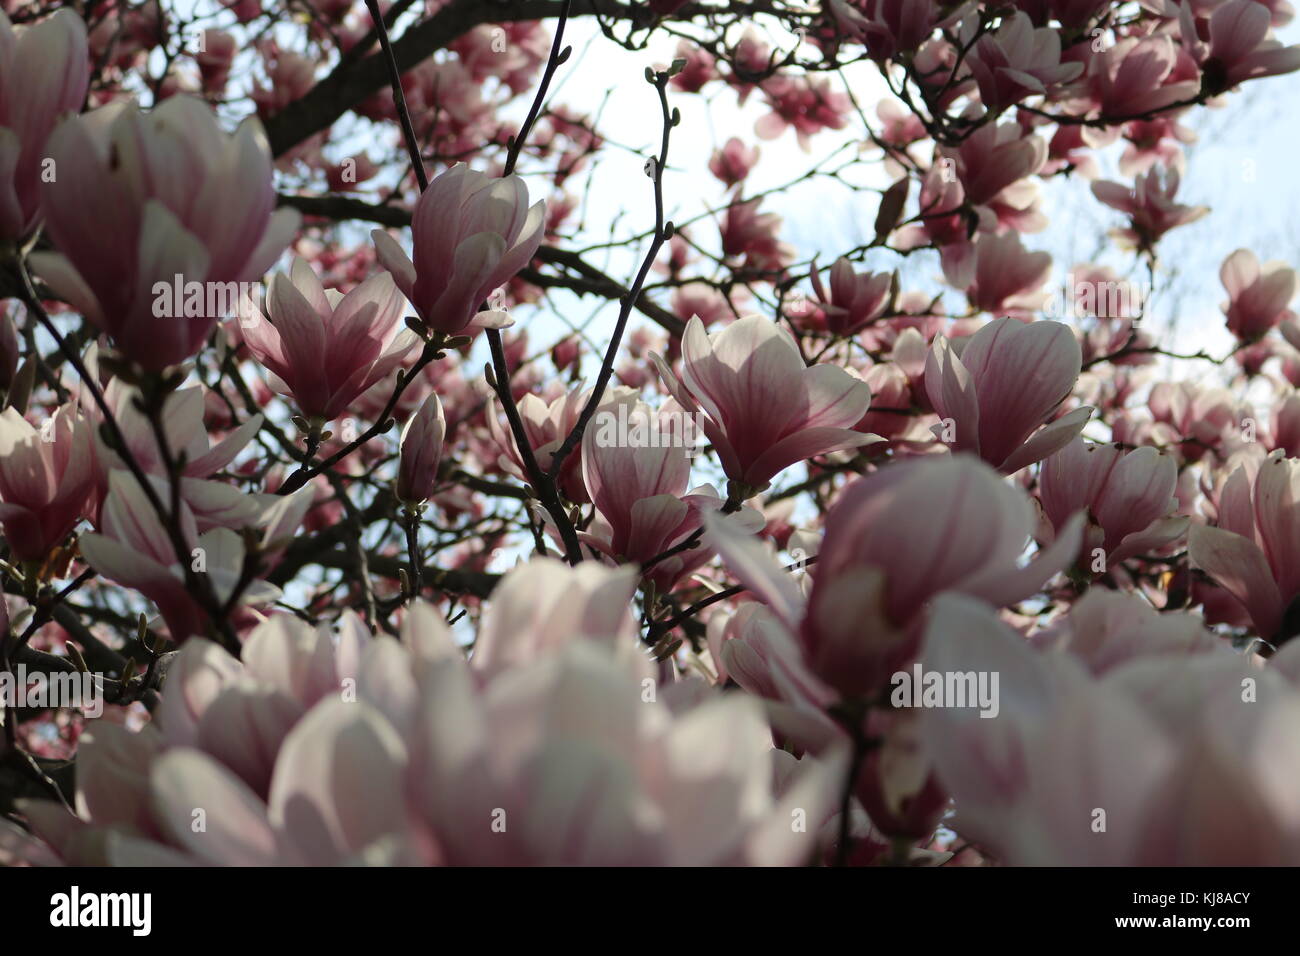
pixel 663 231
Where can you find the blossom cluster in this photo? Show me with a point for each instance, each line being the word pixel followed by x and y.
pixel 797 562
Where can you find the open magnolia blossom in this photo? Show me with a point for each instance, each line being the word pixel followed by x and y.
pixel 324 348
pixel 141 201
pixel 1258 295
pixel 879 567
pixel 214 503
pixel 1008 378
pixel 546 425
pixel 1128 497
pixel 436 434
pixel 1254 551
pixel 764 410
pixel 134 549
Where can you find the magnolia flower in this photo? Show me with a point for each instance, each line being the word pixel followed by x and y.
pixel 894 541
pixel 1187 410
pixel 1240 48
pixel 379 751
pixel 1105 630
pixel 1161 749
pixel 764 409
pixel 1155 141
pixel 1009 378
pixel 575 724
pixel 44 72
pixel 262 740
pixel 891 393
pixel 747 232
pixel 1149 205
pixel 290 77
pixel 1136 75
pixel 897 784
pixel 732 163
pixel 1128 498
pixel 993 158
pixel 1016 61
pixel 892 26
pixel 1235 760
pixel 702 299
pixel 546 425
pixel 1258 296
pixel 47 476
pixel 997 273
pixel 749 59
pixel 213 503
pixel 1018 780
pixel 853 299
pixel 324 348
pixel 941 199
pixel 471 233
pixel 134 549
pixel 145 201
pixel 421 450
pixel 215 58
pixel 807 105
pixel 239 712
pixel 1254 553
pixel 636 465
pixel 543 605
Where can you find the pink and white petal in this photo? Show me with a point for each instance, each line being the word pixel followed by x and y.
pixel 1238 566
pixel 491 319
pixel 188 786
pixel 385 680
pixel 338 783
pixel 1047 440
pixel 308 284
pixel 113 776
pixel 814 792
pixel 57 272
pixel 835 398
pixel 653 522
pixel 746 558
pixel 1005 586
pixel 395 260
pixel 197 676
pixel 224 452
pixel 951 391
pixel 124 564
pixel 1239 271
pixel 1277 507
pixel 1159 534
pixel 1236 29
pixel 280 231
pixel 801 446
